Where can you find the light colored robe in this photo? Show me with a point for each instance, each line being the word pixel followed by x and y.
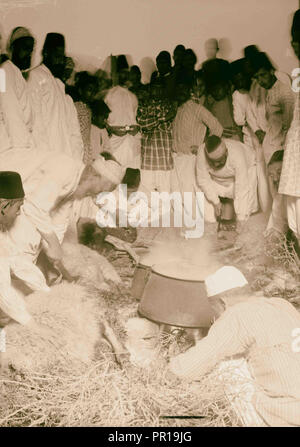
pixel 48 178
pixel 16 109
pixel 56 122
pixel 19 249
pixel 123 105
pixel 262 330
pixel 244 114
pixel 47 192
pixel 232 181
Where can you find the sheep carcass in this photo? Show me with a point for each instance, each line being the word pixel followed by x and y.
pixel 70 321
pixel 91 268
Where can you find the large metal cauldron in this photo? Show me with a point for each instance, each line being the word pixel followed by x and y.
pixel 173 293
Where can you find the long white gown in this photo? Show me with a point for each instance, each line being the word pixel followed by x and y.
pixel 123 105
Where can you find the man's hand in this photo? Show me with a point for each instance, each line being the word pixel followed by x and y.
pixel 260 135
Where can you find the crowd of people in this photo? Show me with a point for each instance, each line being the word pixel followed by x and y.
pixel 219 129
pixel 228 129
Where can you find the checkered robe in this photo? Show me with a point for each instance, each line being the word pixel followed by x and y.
pixel 85 121
pixel 155 119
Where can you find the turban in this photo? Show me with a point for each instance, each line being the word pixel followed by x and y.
pixel 11 185
pixel 53 40
pixel 109 169
pixel 224 279
pixel 16 34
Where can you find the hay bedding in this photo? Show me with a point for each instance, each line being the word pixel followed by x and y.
pixel 100 393
pixel 104 394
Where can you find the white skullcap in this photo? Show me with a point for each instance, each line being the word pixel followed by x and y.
pixel 224 279
pixel 109 169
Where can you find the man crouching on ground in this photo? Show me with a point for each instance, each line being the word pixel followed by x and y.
pixel 260 330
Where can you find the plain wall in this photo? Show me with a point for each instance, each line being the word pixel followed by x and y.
pixel 95 29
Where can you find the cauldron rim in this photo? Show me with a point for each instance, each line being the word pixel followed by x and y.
pixel 174 277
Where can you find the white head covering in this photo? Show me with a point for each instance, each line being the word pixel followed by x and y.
pixel 16 34
pixel 224 279
pixel 109 169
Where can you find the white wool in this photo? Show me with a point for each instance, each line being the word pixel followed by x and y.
pixel 69 320
pixel 92 268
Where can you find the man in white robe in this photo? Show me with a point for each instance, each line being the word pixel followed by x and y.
pixel 17 253
pixel 222 168
pixel 16 107
pixel 56 123
pixel 125 139
pixel 280 101
pixel 290 176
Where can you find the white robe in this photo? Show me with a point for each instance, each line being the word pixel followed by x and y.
pixel 49 186
pixel 19 248
pixel 48 179
pixel 123 105
pixel 16 109
pixel 5 143
pixel 234 180
pixel 56 123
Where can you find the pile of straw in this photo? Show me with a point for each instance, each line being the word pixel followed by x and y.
pixel 283 253
pixel 105 395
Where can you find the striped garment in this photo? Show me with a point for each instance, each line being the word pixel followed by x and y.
pixel 223 111
pixel 155 119
pixel 190 126
pixel 264 331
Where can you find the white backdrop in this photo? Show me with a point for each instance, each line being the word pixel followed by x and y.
pixel 141 28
